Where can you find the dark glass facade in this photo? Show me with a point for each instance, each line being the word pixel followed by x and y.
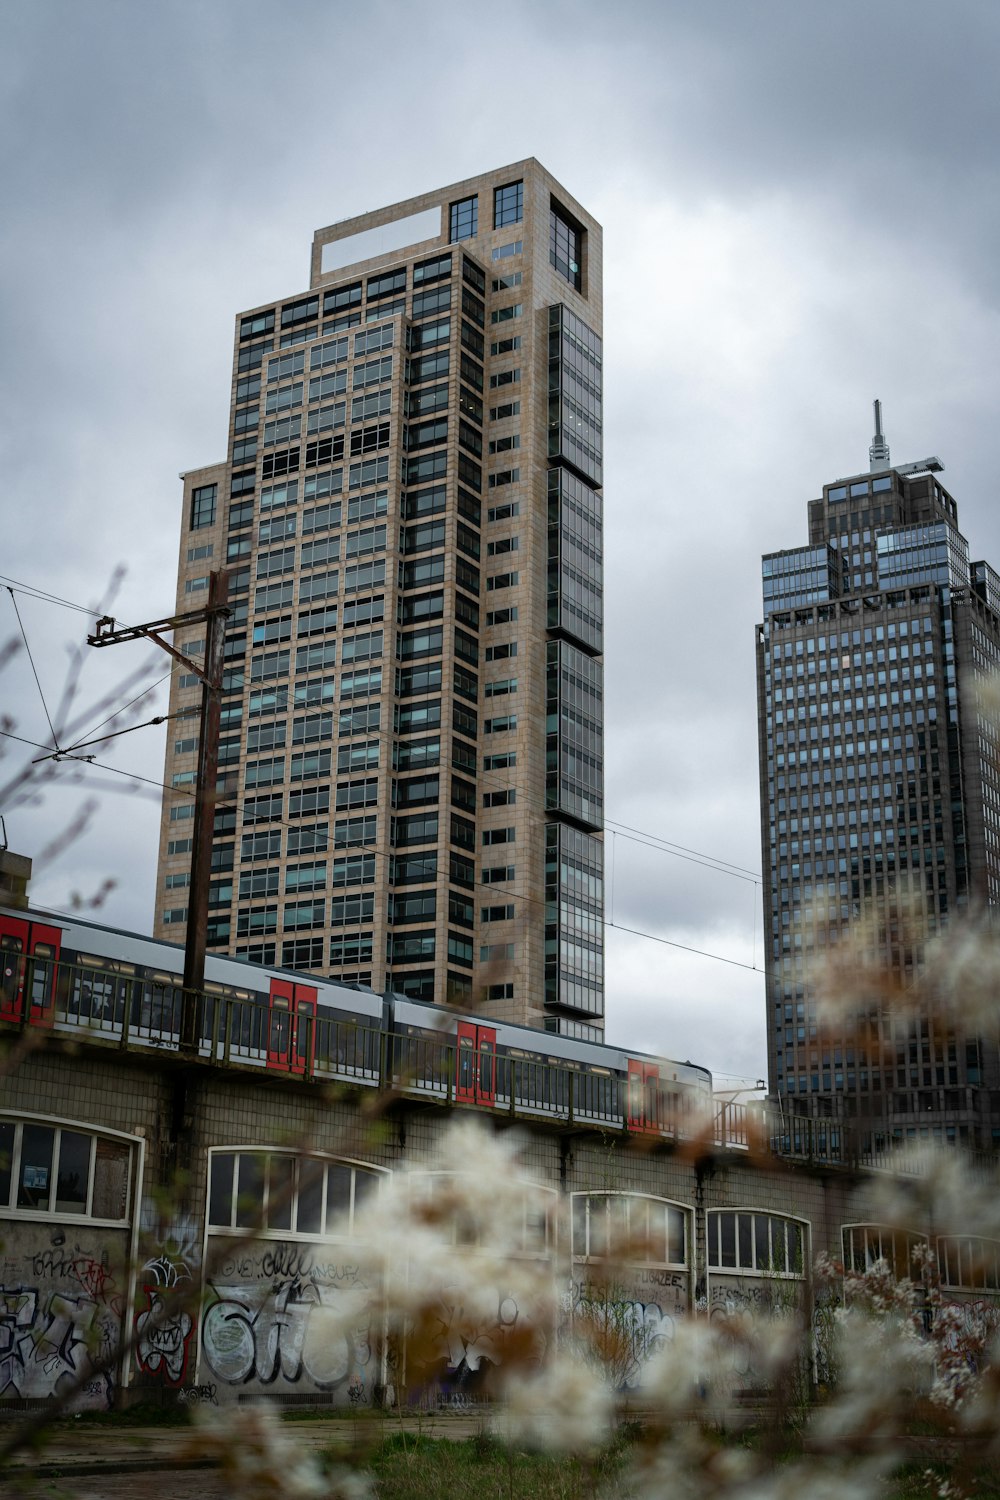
pixel 575 394
pixel 574 735
pixel 880 796
pixel 576 559
pixel 574 925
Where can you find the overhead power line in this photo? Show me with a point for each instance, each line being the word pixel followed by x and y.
pixel 723 865
pixel 31 592
pixel 624 830
pixel 34 669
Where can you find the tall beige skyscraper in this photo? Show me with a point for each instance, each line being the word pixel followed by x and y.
pixel 412 725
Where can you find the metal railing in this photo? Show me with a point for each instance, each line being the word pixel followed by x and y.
pixel 139 1012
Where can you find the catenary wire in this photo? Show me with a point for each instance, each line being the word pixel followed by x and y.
pixel 34 669
pixel 722 863
pixel 31 592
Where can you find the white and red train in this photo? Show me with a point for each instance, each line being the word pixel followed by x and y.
pixel 71 975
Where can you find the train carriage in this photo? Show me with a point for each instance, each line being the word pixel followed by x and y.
pixel 68 974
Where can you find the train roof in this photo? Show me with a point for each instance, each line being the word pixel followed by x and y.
pixel 600 1054
pixel 218 961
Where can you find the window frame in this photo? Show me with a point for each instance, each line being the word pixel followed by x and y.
pixel 135 1165
pixel 265 1232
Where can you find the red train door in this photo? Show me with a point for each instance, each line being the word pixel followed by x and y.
pixel 643 1095
pixel 27 950
pixel 13 950
pixel 476 1064
pixel 290 1043
pixel 43 968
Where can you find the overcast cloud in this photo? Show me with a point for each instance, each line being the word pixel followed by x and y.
pixel 801 212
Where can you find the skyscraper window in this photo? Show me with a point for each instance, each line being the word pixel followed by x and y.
pixel 464 219
pixel 508 204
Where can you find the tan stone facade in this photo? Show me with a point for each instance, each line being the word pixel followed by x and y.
pixel 411 745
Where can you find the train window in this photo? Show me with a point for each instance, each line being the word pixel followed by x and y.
pixel 228 991
pixel 51 1169
pixel 91 961
pixel 44 955
pixel 279 1192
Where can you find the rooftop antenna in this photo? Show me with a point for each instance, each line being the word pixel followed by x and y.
pixel 878 453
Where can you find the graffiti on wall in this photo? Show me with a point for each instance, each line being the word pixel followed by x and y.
pixel 978 1318
pixel 162 1328
pixel 285 1313
pixel 630 1319
pixel 469 1332
pixel 60 1326
pixel 163 1331
pixel 735 1298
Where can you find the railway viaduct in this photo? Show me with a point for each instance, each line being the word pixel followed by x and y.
pixel 133 1176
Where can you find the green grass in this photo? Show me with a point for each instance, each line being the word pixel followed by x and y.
pixel 419 1468
pixel 920 1479
pixel 410 1467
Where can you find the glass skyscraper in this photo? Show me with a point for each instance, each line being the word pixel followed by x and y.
pixel 411 756
pixel 880 798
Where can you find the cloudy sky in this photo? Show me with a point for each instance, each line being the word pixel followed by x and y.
pixel 801 206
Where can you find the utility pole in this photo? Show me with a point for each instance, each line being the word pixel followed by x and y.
pixel 214 616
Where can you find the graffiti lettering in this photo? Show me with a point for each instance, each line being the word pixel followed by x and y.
pixel 286 1330
pixel 468 1335
pixel 287 1262
pixel 735 1298
pixel 631 1332
pixel 193 1394
pixel 980 1319
pixel 77 1265
pixel 50 1340
pixel 650 1276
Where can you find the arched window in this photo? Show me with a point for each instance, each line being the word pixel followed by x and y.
pixel 634 1226
pixel 864 1244
pixel 58 1169
pixel 283 1193
pixel 969 1264
pixel 753 1243
pixel 530 1232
